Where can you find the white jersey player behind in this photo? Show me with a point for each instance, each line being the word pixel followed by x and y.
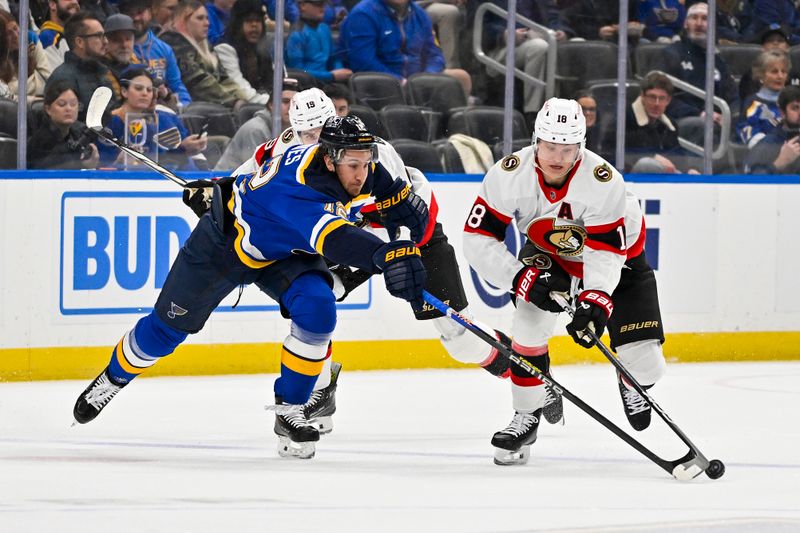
pixel 308 112
pixel 585 235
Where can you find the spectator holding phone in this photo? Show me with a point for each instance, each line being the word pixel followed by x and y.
pixel 174 143
pixel 779 151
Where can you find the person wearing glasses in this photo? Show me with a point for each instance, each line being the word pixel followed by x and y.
pixel 58 142
pixel 651 138
pixel 171 138
pixel 83 65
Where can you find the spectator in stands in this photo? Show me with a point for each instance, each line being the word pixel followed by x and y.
pixel 341 97
pixel 448 18
pixel 662 19
pixel 38 66
pixel 175 144
pixel 83 61
pixel 199 65
pixel 733 17
pixel 101 9
pixel 396 37
pixel 163 12
pixel 290 11
pixel 773 38
pixel 531 48
pixel 761 113
pixel 595 20
pixel 119 50
pixel 241 53
pixel 58 142
pixel 257 130
pixel 651 139
pixel 779 151
pixel 219 12
pixel 310 45
pixel 588 105
pixel 768 12
pixel 686 60
pixel 51 34
pixel 155 53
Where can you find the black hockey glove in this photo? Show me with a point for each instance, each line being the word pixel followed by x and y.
pixel 534 285
pixel 401 207
pixel 349 280
pixel 197 195
pixel 403 271
pixel 591 311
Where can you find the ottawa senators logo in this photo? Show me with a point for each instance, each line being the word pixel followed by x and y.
pixel 602 173
pixel 509 163
pixel 554 237
pixel 540 261
pixel 287 136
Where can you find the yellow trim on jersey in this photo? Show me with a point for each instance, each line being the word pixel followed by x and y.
pixel 320 244
pixel 119 353
pixel 301 169
pixel 300 365
pixel 237 244
pixel 84 362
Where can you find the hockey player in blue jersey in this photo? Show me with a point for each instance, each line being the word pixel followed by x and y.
pixel 272 228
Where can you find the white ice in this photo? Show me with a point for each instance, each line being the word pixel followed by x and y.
pixel 409 453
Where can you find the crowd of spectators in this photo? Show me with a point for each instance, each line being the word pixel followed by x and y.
pixel 221 51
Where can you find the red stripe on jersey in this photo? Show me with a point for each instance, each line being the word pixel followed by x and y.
pixel 369 208
pixel 525 382
pixel 638 246
pixel 433 211
pixel 552 194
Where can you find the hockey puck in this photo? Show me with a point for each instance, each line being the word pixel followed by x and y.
pixel 715 469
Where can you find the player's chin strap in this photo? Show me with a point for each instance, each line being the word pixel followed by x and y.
pixel 687 467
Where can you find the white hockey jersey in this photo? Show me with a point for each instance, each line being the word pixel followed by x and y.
pixel 388 157
pixel 585 225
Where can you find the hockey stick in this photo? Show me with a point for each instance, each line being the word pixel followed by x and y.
pixel 714 468
pixel 94 118
pixel 685 468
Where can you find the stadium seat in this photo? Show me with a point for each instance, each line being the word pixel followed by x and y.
pixel 419 154
pixel 8 117
pixel 516 144
pixel 8 153
pixel 247 111
pixel 405 122
pixel 605 94
pixel 370 119
pixel 648 57
pixel 218 117
pixel 215 149
pixel 376 89
pixel 581 63
pixel 739 57
pixel 35 115
pixel 486 123
pixel 437 91
pixel 794 55
pixel 449 156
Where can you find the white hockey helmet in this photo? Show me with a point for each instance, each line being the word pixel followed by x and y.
pixel 310 109
pixel 560 121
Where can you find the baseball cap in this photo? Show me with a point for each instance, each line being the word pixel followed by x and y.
pixel 118 22
pixel 773 29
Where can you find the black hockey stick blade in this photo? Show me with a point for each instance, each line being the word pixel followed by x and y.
pixel 694 463
pixel 683 469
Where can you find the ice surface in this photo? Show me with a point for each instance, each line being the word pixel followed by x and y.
pixel 409 453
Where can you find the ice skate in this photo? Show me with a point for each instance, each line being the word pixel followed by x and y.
pixel 636 407
pixel 319 409
pixel 296 436
pixel 513 444
pixel 553 410
pixel 95 398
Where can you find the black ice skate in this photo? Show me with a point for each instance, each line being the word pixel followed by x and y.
pixel 553 409
pixel 636 407
pixel 95 398
pixel 513 444
pixel 320 407
pixel 296 436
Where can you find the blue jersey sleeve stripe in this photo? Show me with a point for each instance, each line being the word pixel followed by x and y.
pixel 320 241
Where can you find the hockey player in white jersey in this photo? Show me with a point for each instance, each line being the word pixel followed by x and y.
pixel 308 112
pixel 585 236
